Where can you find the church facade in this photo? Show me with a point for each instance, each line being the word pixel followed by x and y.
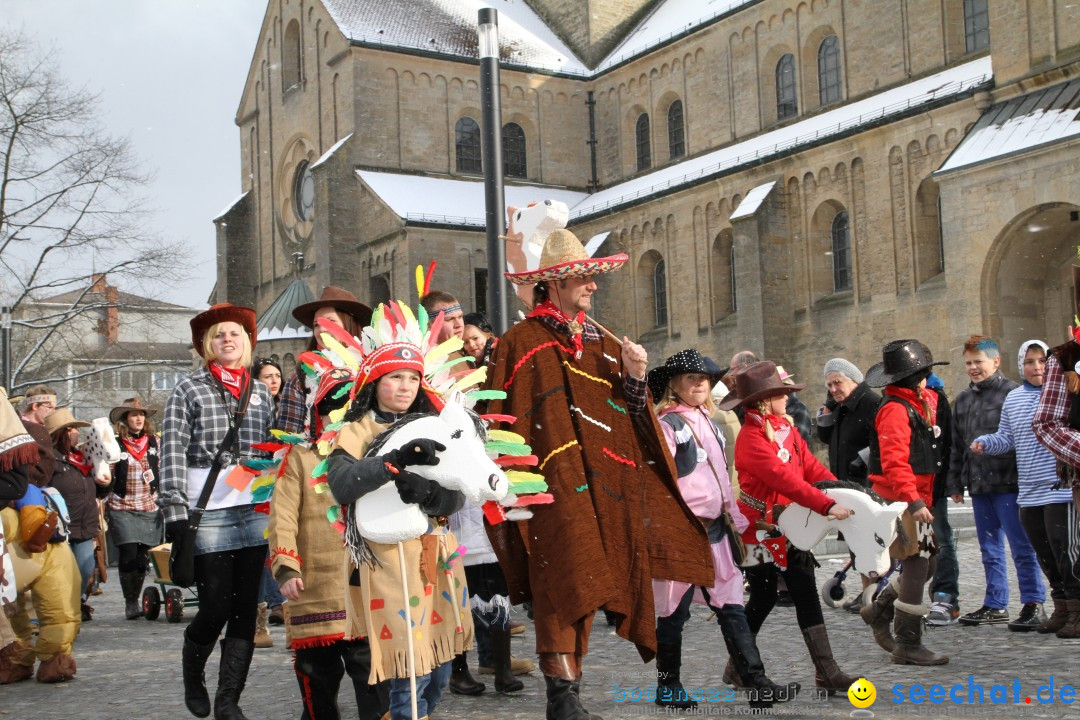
pixel 803 179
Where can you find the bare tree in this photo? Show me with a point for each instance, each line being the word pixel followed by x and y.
pixel 70 203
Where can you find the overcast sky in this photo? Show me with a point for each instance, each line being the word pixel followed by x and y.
pixel 169 74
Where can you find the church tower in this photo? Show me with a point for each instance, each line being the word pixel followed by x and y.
pixel 592 27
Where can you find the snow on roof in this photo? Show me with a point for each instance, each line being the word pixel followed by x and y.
pixel 330 153
pixel 851 116
pixel 450 27
pixel 752 201
pixel 229 207
pixel 1022 123
pixel 447 201
pixel 671 18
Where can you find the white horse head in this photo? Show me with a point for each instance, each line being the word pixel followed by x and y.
pixel 464 466
pixel 869 531
pixel 100 448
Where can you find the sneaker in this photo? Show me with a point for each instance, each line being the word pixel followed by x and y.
pixel 985 616
pixel 942 611
pixel 1031 616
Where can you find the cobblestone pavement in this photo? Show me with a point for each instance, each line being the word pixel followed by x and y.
pixel 130 669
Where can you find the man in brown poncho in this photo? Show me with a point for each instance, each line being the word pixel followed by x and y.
pixel 617 520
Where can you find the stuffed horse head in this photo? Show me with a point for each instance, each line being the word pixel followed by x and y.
pixel 869 531
pixel 527 229
pixel 381 516
pixel 100 448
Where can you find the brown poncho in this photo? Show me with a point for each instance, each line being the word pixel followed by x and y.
pixel 618 520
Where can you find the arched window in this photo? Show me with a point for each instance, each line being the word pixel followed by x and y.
pixel 513 142
pixel 380 289
pixel 828 70
pixel 976 25
pixel 841 253
pixel 723 275
pixel 786 105
pixel 467 146
pixel 290 56
pixel 641 136
pixel 660 295
pixel 675 130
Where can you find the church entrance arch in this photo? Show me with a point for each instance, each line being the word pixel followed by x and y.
pixel 1027 281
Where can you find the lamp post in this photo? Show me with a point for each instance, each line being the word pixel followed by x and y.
pixel 491 145
pixel 5 347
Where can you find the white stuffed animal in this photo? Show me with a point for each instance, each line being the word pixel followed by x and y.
pixel 528 229
pixel 100 448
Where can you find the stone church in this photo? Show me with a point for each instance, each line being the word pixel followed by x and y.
pixel 802 178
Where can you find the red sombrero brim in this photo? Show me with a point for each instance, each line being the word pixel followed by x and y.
pixel 569 269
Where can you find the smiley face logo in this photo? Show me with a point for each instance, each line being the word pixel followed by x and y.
pixel 862 693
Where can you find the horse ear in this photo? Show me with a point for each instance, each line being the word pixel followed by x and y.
pixel 896 508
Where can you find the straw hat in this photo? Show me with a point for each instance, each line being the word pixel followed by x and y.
pixel 62 418
pixel 562 257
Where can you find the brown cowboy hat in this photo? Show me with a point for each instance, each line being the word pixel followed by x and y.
pixel 62 418
pixel 333 297
pixel 757 382
pixel 222 312
pixel 117 413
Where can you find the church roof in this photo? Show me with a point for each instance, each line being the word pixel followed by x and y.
pixel 449 28
pixel 1020 124
pixel 278 323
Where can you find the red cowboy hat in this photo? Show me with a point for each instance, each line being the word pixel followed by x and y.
pixel 333 297
pixel 222 312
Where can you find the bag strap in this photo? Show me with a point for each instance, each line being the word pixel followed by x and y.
pixel 215 466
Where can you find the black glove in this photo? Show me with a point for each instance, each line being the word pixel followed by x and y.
pixel 175 529
pixel 414 489
pixel 422 451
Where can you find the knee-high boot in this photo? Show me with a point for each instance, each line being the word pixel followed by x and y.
pixel 372 701
pixel 235 662
pixel 131 584
pixel 908 625
pixel 827 674
pixel 505 682
pixel 744 656
pixel 879 616
pixel 318 672
pixel 194 663
pixel 669 688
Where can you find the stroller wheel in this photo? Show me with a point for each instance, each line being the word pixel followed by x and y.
pixel 833 593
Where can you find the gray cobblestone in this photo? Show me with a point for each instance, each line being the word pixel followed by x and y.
pixel 130 669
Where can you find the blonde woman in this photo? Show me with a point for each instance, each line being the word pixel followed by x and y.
pixel 230 546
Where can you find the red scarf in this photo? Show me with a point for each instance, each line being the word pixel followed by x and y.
pixel 776 421
pixel 575 326
pixel 233 380
pixel 80 462
pixel 136 446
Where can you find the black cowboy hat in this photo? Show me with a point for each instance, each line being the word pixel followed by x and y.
pixel 757 382
pixel 900 359
pixel 682 362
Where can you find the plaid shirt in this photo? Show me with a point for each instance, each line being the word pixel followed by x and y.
pixel 1051 424
pixel 292 410
pixel 195 423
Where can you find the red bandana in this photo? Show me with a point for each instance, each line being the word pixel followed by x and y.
pixel 776 421
pixel 79 461
pixel 233 380
pixel 575 326
pixel 136 447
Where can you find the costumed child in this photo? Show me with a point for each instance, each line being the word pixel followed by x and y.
pixel 391 385
pixel 776 467
pixel 306 557
pixel 683 387
pixel 905 453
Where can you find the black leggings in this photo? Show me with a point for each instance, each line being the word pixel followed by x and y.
pixel 228 584
pixel 800 582
pixel 134 557
pixel 1053 533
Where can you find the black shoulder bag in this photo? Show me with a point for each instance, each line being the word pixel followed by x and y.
pixel 182 556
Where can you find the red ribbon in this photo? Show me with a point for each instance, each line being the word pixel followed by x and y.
pixel 548 309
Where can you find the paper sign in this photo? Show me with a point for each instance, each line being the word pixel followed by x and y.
pixel 238 478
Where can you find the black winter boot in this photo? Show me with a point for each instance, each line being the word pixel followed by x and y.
pixel 372 701
pixel 461 680
pixel 131 585
pixel 318 672
pixel 669 688
pixel 761 692
pixel 235 661
pixel 505 682
pixel 194 662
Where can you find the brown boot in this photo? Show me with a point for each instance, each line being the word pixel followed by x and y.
pixel 879 616
pixel 10 670
pixel 262 637
pixel 827 674
pixel 1071 628
pixel 1057 619
pixel 56 669
pixel 908 626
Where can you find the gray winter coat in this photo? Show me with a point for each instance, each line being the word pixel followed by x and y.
pixel 977 411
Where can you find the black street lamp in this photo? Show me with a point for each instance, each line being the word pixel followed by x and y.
pixel 491 142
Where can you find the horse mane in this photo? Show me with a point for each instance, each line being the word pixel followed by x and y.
pixel 848 485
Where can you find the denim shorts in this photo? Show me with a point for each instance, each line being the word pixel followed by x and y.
pixel 231 529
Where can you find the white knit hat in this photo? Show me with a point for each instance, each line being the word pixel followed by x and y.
pixel 843 367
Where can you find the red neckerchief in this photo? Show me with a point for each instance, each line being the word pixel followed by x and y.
pixel 137 446
pixel 79 461
pixel 233 380
pixel 776 421
pixel 575 326
pixel 928 408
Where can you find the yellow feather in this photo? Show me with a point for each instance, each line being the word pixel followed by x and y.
pixel 476 377
pixel 341 351
pixel 420 280
pixel 505 436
